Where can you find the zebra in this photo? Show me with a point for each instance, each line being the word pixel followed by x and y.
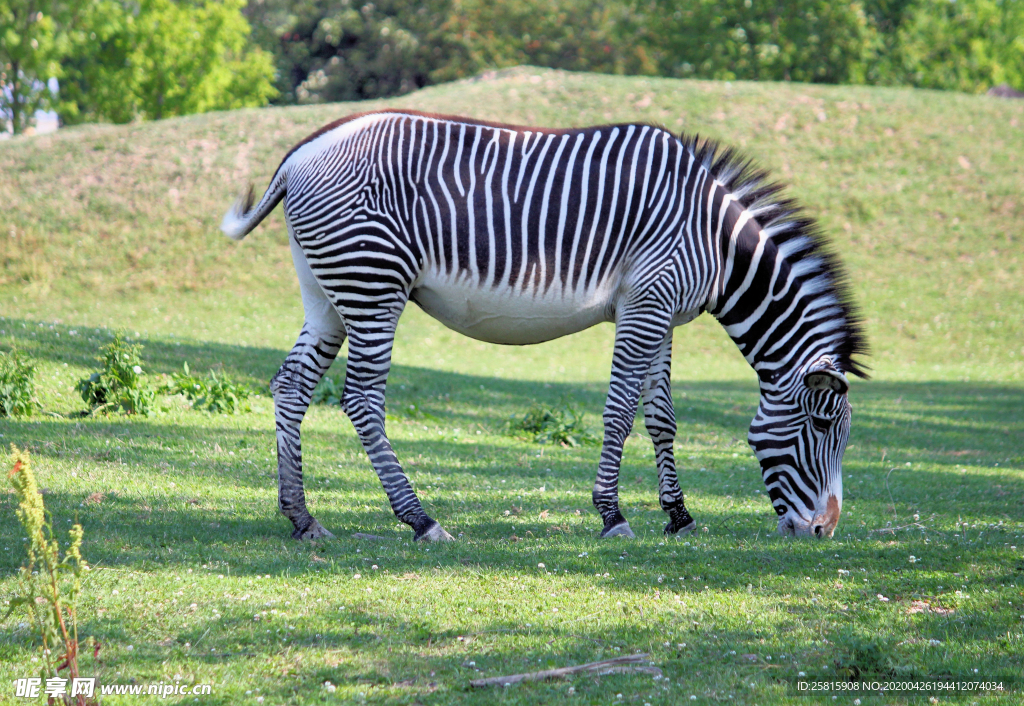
pixel 518 235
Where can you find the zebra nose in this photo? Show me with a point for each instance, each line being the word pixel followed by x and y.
pixel 824 524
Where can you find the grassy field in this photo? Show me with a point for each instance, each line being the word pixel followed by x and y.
pixel 195 578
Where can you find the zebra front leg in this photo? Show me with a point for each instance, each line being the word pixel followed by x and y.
pixel 369 361
pixel 639 333
pixel 292 388
pixel 660 419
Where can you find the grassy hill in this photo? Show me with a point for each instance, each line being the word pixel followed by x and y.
pixel 921 191
pixel 106 227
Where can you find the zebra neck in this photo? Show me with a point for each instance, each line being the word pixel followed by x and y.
pixel 775 300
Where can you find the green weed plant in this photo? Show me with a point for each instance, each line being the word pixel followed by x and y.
pixel 119 387
pixel 17 386
pixel 328 392
pixel 564 426
pixel 49 582
pixel 215 394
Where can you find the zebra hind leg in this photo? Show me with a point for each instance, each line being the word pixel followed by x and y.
pixel 660 419
pixel 369 361
pixel 292 388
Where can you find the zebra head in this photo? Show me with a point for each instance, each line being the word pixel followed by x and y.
pixel 799 436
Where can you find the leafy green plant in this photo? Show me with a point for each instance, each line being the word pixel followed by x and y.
pixel 49 582
pixel 120 385
pixel 861 656
pixel 329 391
pixel 17 386
pixel 213 394
pixel 544 425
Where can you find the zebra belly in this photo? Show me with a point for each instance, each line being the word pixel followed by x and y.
pixel 513 318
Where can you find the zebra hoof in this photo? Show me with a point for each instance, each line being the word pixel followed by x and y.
pixel 314 531
pixel 672 528
pixel 434 533
pixel 622 529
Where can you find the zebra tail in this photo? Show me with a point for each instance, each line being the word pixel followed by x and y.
pixel 242 217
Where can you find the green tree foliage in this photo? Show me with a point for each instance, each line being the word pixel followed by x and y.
pixel 329 50
pixel 799 40
pixel 575 35
pixel 32 41
pixel 343 50
pixel 352 49
pixel 158 58
pixel 967 45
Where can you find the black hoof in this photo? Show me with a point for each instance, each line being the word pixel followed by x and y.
pixel 620 529
pixel 314 530
pixel 680 529
pixel 431 531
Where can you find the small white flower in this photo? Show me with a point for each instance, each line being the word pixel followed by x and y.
pixel 374 567
pixel 801 674
pixel 572 690
pixel 913 559
pixel 856 702
pixel 692 697
pixel 130 647
pixel 358 576
pixel 540 565
pixel 138 369
pixel 882 598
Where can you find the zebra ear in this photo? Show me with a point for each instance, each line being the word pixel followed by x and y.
pixel 824 376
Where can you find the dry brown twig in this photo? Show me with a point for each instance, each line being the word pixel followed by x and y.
pixel 617 665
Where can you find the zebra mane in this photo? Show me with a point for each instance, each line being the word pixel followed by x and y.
pixel 798 237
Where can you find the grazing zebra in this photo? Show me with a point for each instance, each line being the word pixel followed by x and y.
pixel 519 235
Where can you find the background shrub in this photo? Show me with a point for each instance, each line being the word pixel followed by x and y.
pixel 119 386
pixel 328 391
pixel 214 394
pixel 544 425
pixel 17 386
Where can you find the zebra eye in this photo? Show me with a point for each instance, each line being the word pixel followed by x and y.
pixel 822 424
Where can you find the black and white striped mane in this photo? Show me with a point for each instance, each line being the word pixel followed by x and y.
pixel 787 222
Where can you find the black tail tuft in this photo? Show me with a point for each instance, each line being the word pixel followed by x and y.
pixel 250 199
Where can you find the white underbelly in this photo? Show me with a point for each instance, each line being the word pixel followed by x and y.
pixel 510 317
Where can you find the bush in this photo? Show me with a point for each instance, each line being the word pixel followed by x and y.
pixel 213 394
pixel 553 426
pixel 328 391
pixel 119 386
pixel 17 386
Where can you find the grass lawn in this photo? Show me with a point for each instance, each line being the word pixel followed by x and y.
pixel 195 578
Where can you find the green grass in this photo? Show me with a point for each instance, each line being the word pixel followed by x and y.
pixel 180 511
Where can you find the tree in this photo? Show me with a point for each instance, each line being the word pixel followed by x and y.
pixel 160 58
pixel 801 40
pixel 330 50
pixel 968 45
pixel 31 45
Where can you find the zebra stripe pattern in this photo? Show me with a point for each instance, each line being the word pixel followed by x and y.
pixel 518 235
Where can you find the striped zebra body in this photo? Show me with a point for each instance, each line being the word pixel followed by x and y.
pixel 517 235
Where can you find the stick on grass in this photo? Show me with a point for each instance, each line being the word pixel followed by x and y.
pixel 617 665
